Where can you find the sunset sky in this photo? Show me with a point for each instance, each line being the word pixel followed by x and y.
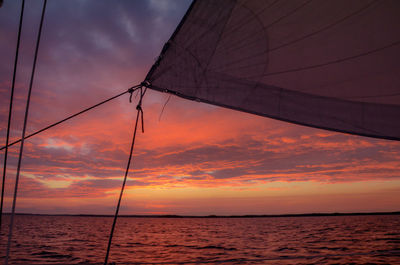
pixel 193 159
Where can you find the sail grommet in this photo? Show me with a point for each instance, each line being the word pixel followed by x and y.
pixel 145 83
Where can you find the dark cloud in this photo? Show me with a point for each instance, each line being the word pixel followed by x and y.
pixel 89 51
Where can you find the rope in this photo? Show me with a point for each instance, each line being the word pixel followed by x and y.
pixel 10 109
pixel 23 132
pixel 130 90
pixel 165 104
pixel 139 115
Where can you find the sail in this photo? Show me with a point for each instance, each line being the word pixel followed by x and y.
pixel 332 64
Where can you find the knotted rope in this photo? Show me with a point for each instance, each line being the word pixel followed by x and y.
pixel 139 115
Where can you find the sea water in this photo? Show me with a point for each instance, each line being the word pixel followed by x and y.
pixel 281 240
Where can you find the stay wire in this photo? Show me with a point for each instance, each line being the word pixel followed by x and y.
pixel 71 116
pixel 10 109
pixel 23 133
pixel 139 115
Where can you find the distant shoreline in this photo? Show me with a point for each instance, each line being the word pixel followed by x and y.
pixel 216 216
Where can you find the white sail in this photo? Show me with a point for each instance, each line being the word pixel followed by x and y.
pixel 327 64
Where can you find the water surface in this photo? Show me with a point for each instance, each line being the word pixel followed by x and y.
pixel 280 240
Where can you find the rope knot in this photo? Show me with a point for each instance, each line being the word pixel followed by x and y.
pixel 145 84
pixel 130 91
pixel 141 92
pixel 139 105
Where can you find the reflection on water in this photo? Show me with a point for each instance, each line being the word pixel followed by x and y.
pixel 284 240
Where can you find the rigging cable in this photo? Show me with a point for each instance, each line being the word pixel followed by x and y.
pixel 139 115
pixel 23 132
pixel 10 109
pixel 130 90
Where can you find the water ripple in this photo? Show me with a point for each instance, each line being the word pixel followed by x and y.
pixel 312 240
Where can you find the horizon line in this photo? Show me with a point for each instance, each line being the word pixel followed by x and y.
pixel 217 216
